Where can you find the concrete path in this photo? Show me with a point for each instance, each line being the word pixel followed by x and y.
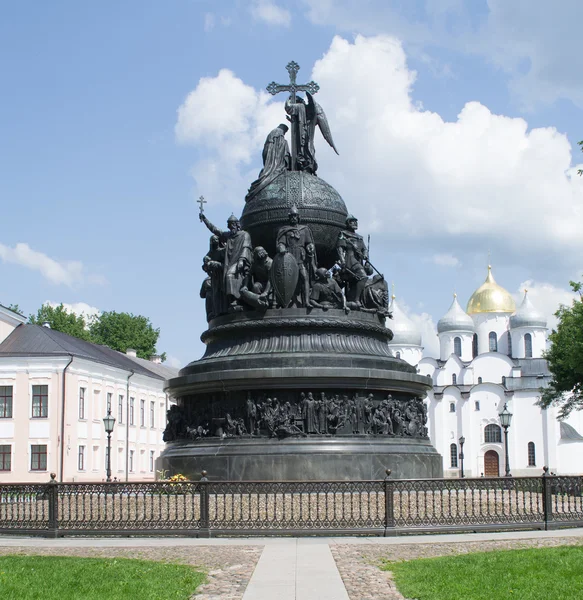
pixel 289 568
pixel 296 570
pixel 147 542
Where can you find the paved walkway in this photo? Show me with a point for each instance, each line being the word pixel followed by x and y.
pixel 289 568
pixel 294 570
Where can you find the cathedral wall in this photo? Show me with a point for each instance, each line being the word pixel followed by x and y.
pixel 410 354
pixel 491 368
pixel 427 366
pixel 446 344
pixel 488 322
pixel 538 337
pixel 570 453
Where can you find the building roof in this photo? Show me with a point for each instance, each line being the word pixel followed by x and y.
pixel 10 316
pixel 526 315
pixel 159 368
pixel 455 319
pixel 569 433
pixel 405 332
pixel 29 340
pixel 490 298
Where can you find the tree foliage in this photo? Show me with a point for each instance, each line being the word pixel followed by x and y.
pixel 15 308
pixel 61 320
pixel 565 358
pixel 118 331
pixel 121 331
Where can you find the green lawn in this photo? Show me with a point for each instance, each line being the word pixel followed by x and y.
pixel 69 578
pixel 534 574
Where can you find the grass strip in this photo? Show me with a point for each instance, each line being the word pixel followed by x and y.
pixel 530 574
pixel 73 578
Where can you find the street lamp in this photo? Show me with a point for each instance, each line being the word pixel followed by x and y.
pixel 505 419
pixel 462 441
pixel 108 423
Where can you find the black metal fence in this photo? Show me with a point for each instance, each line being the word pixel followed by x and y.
pixel 205 508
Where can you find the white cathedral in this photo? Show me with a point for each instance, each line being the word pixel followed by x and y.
pixel 491 357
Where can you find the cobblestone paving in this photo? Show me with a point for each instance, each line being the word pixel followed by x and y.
pixel 229 568
pixel 358 564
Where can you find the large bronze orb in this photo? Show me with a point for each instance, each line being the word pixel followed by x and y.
pixel 320 206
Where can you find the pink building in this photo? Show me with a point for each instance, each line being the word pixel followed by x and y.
pixel 54 392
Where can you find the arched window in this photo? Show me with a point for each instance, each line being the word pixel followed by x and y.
pixel 493 342
pixel 452 407
pixel 527 345
pixel 457 346
pixel 479 380
pixel 398 355
pixel 475 345
pixel 477 405
pixel 454 379
pixel 453 456
pixel 531 455
pixel 492 434
pixel 509 343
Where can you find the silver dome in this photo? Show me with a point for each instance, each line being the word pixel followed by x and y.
pixel 405 333
pixel 527 316
pixel 455 319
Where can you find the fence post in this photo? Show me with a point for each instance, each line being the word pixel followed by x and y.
pixel 389 508
pixel 547 497
pixel 53 498
pixel 204 530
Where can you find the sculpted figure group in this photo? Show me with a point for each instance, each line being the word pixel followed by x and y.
pixel 306 415
pixel 241 277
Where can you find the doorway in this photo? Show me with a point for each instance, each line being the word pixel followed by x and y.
pixel 491 464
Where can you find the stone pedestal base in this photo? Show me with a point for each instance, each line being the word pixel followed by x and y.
pixel 315 459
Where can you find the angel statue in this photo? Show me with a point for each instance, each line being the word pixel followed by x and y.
pixel 305 117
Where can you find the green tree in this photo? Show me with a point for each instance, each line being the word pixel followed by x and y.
pixel 121 331
pixel 565 358
pixel 61 320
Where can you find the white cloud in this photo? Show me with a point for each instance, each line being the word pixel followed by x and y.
pixel 70 273
pixel 538 46
pixel 174 362
pixel 83 309
pixel 546 298
pixel 535 42
pixel 270 13
pixel 230 121
pixel 209 21
pixel 480 179
pixel 446 260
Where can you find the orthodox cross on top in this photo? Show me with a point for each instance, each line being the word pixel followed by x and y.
pixel 292 87
pixel 202 202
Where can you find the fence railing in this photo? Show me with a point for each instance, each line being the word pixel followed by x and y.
pixel 205 508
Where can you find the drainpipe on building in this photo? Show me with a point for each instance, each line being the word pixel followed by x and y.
pixel 62 469
pixel 132 373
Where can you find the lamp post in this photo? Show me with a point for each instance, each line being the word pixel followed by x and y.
pixel 108 423
pixel 462 441
pixel 505 419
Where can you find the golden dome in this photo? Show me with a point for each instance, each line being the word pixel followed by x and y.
pixel 490 298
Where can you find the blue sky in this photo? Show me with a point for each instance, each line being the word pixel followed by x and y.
pixel 456 124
